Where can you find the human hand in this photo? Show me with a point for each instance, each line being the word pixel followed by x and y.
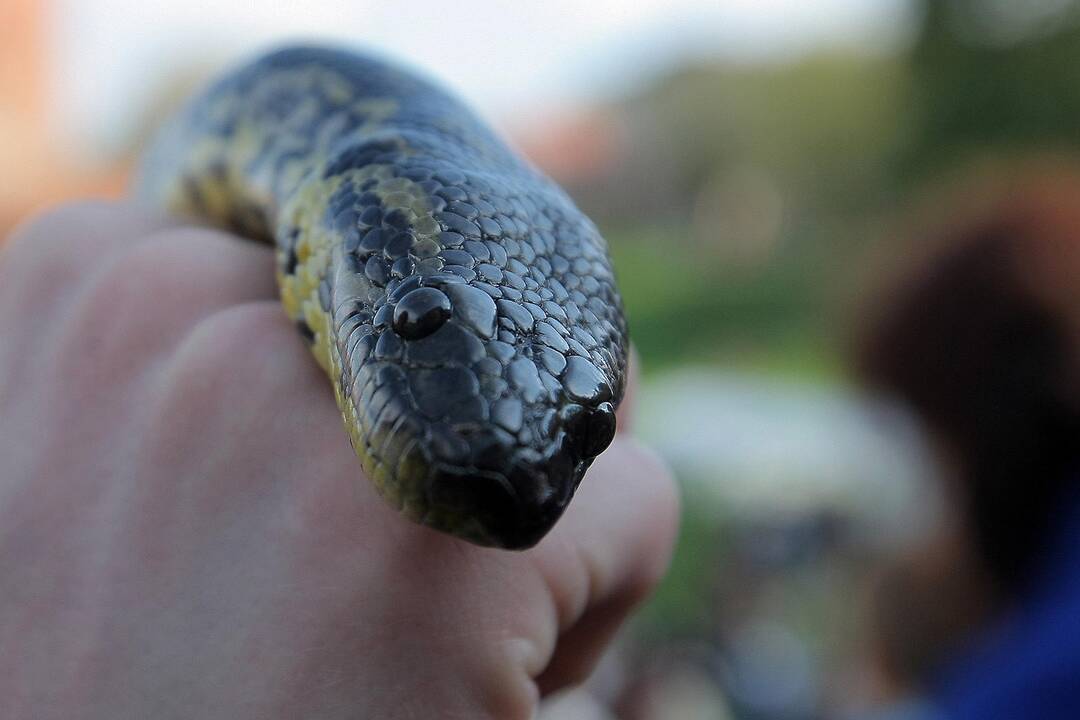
pixel 185 531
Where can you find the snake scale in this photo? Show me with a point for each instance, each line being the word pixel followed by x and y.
pixel 463 308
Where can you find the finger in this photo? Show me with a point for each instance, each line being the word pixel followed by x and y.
pixel 580 648
pixel 47 261
pixel 142 303
pixel 607 554
pixel 51 259
pixel 58 247
pixel 212 266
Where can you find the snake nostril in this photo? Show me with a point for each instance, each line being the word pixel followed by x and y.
pixel 421 312
pixel 590 430
pixel 601 430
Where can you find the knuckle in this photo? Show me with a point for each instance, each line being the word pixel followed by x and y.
pixel 142 303
pixel 62 235
pixel 231 350
pixel 51 255
pixel 172 276
pixel 192 270
pixel 239 368
pixel 147 269
pixel 40 254
pixel 63 217
pixel 246 330
pixel 121 301
pixel 40 271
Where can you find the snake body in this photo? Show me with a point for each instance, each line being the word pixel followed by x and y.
pixel 463 308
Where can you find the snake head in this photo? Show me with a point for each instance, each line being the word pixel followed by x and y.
pixel 482 362
pixel 464 310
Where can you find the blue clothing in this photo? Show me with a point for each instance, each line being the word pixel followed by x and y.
pixel 909 709
pixel 1028 666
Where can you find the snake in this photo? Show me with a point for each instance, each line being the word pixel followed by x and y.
pixel 463 308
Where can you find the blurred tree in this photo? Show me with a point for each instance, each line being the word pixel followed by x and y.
pixel 762 174
pixel 819 128
pixel 991 76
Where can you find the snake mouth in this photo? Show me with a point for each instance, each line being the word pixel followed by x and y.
pixel 511 509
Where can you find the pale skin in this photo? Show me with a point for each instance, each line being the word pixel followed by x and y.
pixel 185 531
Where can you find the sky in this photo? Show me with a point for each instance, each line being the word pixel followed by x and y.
pixel 513 60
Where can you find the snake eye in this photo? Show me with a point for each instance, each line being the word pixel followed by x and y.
pixel 421 312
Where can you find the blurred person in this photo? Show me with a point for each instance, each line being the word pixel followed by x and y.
pixel 185 532
pixel 921 608
pixel 982 340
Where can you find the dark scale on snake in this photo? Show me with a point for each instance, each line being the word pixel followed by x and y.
pixel 464 310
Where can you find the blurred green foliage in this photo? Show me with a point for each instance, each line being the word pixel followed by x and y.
pixel 819 126
pixel 993 75
pixel 838 142
pixel 740 222
pixel 683 605
pixel 685 312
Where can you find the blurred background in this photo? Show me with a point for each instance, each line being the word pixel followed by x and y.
pixel 755 165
